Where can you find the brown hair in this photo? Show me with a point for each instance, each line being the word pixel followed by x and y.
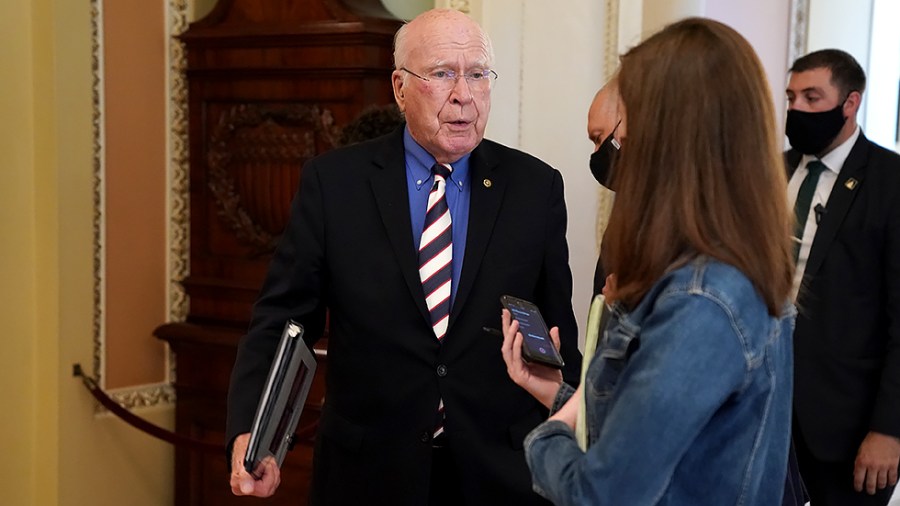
pixel 700 172
pixel 846 74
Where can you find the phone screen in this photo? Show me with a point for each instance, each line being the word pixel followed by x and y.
pixel 537 345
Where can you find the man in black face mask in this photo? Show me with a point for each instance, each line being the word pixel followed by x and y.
pixel 606 130
pixel 846 195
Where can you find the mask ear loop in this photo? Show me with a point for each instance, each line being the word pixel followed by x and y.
pixel 612 136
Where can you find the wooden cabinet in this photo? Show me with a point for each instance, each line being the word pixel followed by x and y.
pixel 270 83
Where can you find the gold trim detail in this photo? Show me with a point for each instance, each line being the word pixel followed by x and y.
pixel 798 30
pixel 177 13
pixel 178 170
pixel 459 5
pixel 605 198
pixel 253 140
pixel 611 61
pixel 99 229
pixel 144 396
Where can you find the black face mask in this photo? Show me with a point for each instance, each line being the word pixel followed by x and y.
pixel 811 132
pixel 604 159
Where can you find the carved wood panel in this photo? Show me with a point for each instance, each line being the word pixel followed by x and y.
pixel 269 86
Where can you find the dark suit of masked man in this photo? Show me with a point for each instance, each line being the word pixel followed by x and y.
pixel 847 340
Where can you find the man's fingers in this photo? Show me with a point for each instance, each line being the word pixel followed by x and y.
pixel 859 476
pixel 881 480
pixel 242 482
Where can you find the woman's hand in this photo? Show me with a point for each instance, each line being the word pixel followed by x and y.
pixel 539 380
pixel 568 414
pixel 609 289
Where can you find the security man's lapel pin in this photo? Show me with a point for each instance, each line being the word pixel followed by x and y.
pixel 487 183
pixel 851 183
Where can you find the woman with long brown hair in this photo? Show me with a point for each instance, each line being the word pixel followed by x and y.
pixel 688 398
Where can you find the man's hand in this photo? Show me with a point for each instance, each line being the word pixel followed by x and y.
pixel 268 476
pixel 876 462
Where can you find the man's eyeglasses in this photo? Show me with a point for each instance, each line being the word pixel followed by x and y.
pixel 447 78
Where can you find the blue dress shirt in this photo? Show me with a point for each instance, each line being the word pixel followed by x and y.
pixel 419 181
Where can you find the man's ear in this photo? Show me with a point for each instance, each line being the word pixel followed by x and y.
pixel 851 105
pixel 397 82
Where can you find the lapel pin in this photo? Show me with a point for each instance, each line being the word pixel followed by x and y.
pixel 487 183
pixel 850 184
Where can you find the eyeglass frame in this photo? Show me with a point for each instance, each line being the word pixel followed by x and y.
pixel 489 76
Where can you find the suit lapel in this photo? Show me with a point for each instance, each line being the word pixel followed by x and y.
pixel 792 158
pixel 487 187
pixel 389 188
pixel 847 186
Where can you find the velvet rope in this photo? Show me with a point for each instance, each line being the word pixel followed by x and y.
pixel 159 432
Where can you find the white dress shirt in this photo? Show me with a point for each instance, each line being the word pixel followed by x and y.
pixel 834 161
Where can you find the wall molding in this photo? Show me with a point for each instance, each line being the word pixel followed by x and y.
pixel 459 5
pixel 799 28
pixel 605 198
pixel 99 196
pixel 143 396
pixel 178 170
pixel 177 260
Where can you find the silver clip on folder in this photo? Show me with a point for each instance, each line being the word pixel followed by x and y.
pixel 282 399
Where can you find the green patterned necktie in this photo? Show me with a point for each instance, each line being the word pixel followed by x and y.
pixel 804 200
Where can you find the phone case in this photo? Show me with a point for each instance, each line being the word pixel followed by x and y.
pixel 537 346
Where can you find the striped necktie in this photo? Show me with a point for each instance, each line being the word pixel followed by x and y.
pixel 436 253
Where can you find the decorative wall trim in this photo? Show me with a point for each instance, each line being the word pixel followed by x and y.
pixel 253 140
pixel 177 173
pixel 611 59
pixel 178 258
pixel 144 396
pixel 605 198
pixel 177 180
pixel 99 222
pixel 519 128
pixel 799 26
pixel 460 5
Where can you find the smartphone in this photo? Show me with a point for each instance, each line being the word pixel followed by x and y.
pixel 537 345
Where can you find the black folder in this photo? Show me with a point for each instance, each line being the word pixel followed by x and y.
pixel 282 399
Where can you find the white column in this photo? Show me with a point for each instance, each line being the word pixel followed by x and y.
pixel 764 23
pixel 551 62
pixel 659 13
pixel 882 108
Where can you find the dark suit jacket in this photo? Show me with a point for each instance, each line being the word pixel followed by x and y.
pixel 349 248
pixel 847 340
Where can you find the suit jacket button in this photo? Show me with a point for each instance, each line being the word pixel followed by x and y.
pixel 425 437
pixel 442 370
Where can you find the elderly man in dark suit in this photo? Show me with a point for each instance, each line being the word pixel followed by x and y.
pixel 419 408
pixel 846 191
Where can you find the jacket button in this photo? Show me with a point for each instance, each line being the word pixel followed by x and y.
pixel 425 437
pixel 442 370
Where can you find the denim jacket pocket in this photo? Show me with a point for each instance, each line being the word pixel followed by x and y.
pixel 604 372
pixel 607 366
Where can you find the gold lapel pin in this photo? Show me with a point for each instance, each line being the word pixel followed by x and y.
pixel 850 184
pixel 487 183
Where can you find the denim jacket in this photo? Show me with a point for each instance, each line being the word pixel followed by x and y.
pixel 688 401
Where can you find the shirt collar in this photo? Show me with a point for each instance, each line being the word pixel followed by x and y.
pixel 835 158
pixel 419 163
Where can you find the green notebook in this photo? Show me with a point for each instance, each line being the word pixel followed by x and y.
pixel 595 324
